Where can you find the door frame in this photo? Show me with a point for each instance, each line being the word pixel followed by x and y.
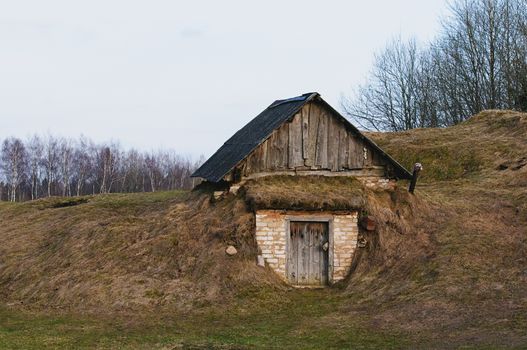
pixel 308 218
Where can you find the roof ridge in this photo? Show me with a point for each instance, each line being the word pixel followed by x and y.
pixel 303 97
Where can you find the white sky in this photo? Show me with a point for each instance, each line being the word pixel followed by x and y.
pixel 184 75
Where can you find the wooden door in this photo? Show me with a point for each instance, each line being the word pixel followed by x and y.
pixel 308 252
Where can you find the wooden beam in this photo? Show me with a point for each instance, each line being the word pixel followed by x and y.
pixel 417 169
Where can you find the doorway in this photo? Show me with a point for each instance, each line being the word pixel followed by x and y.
pixel 308 253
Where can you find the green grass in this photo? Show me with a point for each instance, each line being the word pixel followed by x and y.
pixel 307 320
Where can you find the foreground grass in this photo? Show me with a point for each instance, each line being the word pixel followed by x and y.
pixel 306 320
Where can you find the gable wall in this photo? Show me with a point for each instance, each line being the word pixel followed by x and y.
pixel 313 140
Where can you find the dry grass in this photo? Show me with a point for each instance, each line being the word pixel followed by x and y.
pixel 474 148
pixel 446 267
pixel 121 252
pixel 305 193
pixel 459 273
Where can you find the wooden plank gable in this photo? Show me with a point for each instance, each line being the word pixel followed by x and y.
pixel 313 139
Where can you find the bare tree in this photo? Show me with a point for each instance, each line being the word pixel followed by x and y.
pixel 107 163
pixel 51 162
pixel 152 166
pixel 479 61
pixel 66 162
pixel 133 172
pixel 63 166
pixel 82 163
pixel 35 152
pixel 14 161
pixel 389 100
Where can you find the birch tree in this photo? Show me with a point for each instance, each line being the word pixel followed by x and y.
pixel 66 162
pixel 35 160
pixel 57 166
pixel 82 164
pixel 14 161
pixel 51 162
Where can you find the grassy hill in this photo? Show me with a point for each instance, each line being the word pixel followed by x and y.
pixel 446 267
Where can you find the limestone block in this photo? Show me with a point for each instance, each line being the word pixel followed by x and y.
pixel 231 250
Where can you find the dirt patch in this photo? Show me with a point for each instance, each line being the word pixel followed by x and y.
pixel 68 202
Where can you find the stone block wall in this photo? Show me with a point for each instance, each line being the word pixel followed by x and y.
pixel 271 237
pixel 345 234
pixel 378 182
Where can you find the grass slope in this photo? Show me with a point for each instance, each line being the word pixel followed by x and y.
pixel 446 268
pixel 471 289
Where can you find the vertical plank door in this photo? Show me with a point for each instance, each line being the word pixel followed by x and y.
pixel 307 258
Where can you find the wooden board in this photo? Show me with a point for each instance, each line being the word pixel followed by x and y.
pixel 377 159
pixel 367 156
pixel 307 260
pixel 343 159
pixel 280 157
pixel 262 164
pixel 321 154
pixel 313 140
pixel 254 161
pixel 333 143
pixel 313 130
pixel 356 159
pixel 295 142
pixel 305 132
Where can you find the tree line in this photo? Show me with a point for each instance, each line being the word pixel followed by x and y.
pixel 478 61
pixel 54 166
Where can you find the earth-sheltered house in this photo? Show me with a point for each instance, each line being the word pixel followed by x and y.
pixel 307 225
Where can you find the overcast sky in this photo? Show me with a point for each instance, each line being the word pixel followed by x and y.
pixel 184 75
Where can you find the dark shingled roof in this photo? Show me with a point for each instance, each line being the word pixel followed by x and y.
pixel 243 142
pixel 249 137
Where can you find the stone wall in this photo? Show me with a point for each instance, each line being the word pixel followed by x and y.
pixel 376 182
pixel 345 234
pixel 271 238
